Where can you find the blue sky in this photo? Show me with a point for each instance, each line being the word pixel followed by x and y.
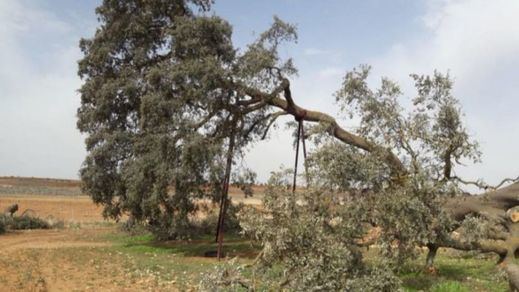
pixel 477 41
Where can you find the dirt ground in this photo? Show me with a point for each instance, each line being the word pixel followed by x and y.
pixel 77 257
pixel 74 258
pixel 70 209
pixel 69 260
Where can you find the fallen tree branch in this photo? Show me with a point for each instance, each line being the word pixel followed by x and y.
pixel 483 185
pixel 290 107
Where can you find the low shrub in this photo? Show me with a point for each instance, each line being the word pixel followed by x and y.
pixel 29 222
pixel 22 222
pixel 204 223
pixel 207 224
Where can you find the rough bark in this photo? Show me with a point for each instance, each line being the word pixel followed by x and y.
pixel 493 204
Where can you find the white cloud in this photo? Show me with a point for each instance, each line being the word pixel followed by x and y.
pixel 38 99
pixel 477 41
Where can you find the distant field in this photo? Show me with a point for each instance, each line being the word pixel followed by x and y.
pixel 65 208
pixel 39 186
pixel 16 181
pixel 63 200
pixel 66 187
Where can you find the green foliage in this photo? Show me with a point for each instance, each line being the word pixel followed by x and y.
pixel 29 222
pixel 314 240
pixel 206 224
pixel 316 235
pixel 228 275
pixel 151 75
pixel 474 229
pixel 410 216
pixel 23 222
pixel 341 167
pixel 160 102
pixel 430 136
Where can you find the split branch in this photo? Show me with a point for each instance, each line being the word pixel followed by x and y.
pixel 289 106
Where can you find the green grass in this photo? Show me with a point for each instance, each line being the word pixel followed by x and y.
pixel 234 246
pixel 179 261
pixel 450 286
pixel 184 261
pixel 456 272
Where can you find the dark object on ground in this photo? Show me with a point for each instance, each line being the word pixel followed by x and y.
pixel 212 254
pixel 11 209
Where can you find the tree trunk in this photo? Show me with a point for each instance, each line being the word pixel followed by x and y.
pixel 429 261
pixel 493 204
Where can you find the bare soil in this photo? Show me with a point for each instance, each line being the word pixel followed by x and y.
pixel 75 258
pixel 78 257
pixel 66 208
pixel 69 260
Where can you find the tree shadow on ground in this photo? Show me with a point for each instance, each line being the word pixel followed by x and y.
pixel 234 246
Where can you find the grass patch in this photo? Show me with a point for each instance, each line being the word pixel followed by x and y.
pixel 455 272
pixel 183 262
pixel 234 246
pixel 450 286
pixel 180 261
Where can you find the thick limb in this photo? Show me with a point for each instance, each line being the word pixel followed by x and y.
pixel 288 105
